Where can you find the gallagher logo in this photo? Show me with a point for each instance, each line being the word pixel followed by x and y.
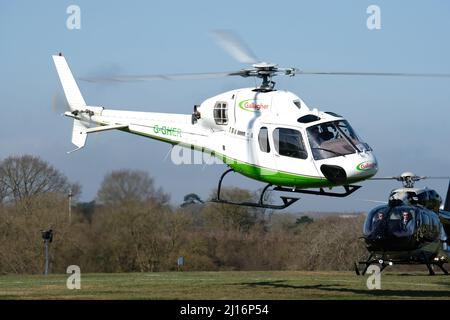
pixel 253 105
pixel 363 166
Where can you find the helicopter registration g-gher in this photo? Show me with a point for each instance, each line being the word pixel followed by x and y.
pixel 411 229
pixel 265 134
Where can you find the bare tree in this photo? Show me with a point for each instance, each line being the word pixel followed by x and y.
pixel 122 186
pixel 22 177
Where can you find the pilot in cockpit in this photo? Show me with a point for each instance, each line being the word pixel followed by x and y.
pixel 325 135
pixel 379 225
pixel 406 221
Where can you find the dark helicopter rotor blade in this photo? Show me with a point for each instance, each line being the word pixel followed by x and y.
pixel 408 179
pixel 383 74
pixel 413 177
pixel 374 201
pixel 427 177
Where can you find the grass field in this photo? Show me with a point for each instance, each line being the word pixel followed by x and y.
pixel 227 285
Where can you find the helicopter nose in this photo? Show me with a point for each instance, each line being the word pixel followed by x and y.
pixel 350 169
pixel 333 173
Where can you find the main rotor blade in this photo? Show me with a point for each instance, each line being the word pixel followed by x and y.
pixel 59 104
pixel 235 47
pixel 383 74
pixel 149 77
pixel 375 201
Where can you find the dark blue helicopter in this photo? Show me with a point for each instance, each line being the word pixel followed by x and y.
pixel 411 228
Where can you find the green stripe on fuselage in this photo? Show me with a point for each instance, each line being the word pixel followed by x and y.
pixel 259 173
pixel 276 177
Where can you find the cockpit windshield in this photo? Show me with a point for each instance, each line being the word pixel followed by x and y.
pixel 333 139
pixel 387 222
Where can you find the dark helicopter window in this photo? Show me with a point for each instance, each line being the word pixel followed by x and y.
pixel 402 221
pixel 434 200
pixel 289 143
pixel 221 113
pixel 422 198
pixel 376 222
pixel 263 139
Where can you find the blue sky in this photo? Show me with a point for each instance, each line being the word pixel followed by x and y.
pixel 404 120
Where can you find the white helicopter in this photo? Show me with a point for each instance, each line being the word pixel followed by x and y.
pixel 265 134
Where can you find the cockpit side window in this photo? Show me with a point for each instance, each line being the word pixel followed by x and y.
pixel 289 143
pixel 376 222
pixel 263 140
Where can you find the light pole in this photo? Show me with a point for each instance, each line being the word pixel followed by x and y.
pixel 47 235
pixel 70 195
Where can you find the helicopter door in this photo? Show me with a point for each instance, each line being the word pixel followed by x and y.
pixel 293 161
pixel 262 154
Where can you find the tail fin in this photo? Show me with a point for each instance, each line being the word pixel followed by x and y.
pixel 447 199
pixel 74 98
pixel 73 94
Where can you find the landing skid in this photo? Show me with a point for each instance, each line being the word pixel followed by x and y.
pixel 384 263
pixel 349 189
pixel 287 201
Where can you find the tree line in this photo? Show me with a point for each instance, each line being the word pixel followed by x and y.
pixel 131 227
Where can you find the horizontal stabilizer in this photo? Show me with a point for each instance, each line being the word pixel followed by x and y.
pixel 108 127
pixel 80 132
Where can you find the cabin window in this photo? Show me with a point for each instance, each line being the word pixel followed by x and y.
pixel 263 139
pixel 289 143
pixel 221 113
